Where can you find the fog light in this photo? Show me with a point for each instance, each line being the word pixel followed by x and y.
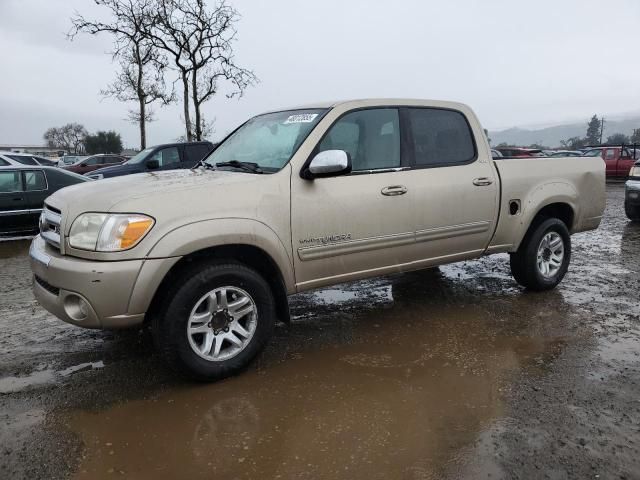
pixel 633 195
pixel 76 307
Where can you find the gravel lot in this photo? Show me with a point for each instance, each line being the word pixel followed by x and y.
pixel 449 373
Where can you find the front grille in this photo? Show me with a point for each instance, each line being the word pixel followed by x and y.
pixel 47 286
pixel 50 225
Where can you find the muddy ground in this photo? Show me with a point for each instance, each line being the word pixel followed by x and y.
pixel 449 373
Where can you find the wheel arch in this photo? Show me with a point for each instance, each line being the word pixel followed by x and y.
pixel 248 255
pixel 247 241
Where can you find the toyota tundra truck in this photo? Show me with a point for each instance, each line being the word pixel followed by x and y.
pixel 299 199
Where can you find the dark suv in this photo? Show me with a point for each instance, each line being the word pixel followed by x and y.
pixel 169 156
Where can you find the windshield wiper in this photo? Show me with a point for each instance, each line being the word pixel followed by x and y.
pixel 247 166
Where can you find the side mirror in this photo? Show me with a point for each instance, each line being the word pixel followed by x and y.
pixel 328 163
pixel 153 165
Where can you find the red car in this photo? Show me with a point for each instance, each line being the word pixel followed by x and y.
pixel 618 160
pixel 94 162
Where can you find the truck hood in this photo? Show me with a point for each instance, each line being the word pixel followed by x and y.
pixel 169 193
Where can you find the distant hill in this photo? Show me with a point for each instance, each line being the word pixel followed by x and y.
pixel 551 136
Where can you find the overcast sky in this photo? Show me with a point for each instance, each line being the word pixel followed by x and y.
pixel 514 62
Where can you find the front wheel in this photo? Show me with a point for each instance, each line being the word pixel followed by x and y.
pixel 216 321
pixel 543 258
pixel 632 211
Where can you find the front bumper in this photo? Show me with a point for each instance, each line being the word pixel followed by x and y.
pixel 82 292
pixel 632 192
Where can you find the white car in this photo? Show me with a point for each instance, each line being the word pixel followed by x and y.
pixel 15 158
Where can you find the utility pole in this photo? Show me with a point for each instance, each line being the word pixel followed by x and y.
pixel 601 129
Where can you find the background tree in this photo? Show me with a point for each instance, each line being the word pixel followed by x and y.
pixel 199 42
pixel 140 77
pixel 618 139
pixel 69 137
pixel 103 142
pixel 593 131
pixel 635 137
pixel 573 143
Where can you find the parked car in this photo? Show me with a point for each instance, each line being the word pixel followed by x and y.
pixel 22 192
pixel 515 152
pixel 15 158
pixel 295 200
pixel 94 162
pixel 618 160
pixel 69 159
pixel 169 156
pixel 566 153
pixel 632 194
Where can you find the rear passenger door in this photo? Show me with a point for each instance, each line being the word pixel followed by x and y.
pixel 454 185
pixel 13 204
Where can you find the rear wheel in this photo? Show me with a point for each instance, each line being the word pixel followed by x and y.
pixel 216 321
pixel 633 212
pixel 543 258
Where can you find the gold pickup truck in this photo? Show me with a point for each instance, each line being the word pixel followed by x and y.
pixel 299 199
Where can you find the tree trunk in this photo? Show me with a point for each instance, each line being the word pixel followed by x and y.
pixel 185 99
pixel 196 106
pixel 143 126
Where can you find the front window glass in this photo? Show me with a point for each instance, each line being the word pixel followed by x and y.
pixel 10 182
pixel 370 137
pixel 268 140
pixel 166 156
pixel 140 156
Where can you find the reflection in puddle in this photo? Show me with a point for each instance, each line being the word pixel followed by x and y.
pixel 416 382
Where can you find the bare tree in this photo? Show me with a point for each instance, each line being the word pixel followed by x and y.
pixel 199 42
pixel 69 137
pixel 140 79
pixel 141 76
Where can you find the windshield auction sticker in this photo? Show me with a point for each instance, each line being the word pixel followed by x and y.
pixel 301 118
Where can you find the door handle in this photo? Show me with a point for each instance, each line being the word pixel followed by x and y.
pixel 482 182
pixel 393 190
pixel 17 199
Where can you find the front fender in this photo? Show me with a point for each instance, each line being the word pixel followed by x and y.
pixel 201 235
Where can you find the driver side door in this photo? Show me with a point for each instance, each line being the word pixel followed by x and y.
pixel 360 224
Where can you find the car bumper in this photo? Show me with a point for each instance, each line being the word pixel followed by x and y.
pixel 632 192
pixel 85 293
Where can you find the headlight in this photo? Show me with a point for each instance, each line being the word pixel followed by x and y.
pixel 635 171
pixel 105 232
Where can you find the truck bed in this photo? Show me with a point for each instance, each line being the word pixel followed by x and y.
pixel 530 184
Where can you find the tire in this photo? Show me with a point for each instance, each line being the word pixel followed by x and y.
pixel 198 299
pixel 632 211
pixel 525 266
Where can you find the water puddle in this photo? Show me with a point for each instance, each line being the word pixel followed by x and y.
pixel 415 383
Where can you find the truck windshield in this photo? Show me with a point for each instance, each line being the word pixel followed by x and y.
pixel 269 140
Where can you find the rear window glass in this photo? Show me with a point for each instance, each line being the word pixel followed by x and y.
pixel 440 137
pixel 34 180
pixel 23 159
